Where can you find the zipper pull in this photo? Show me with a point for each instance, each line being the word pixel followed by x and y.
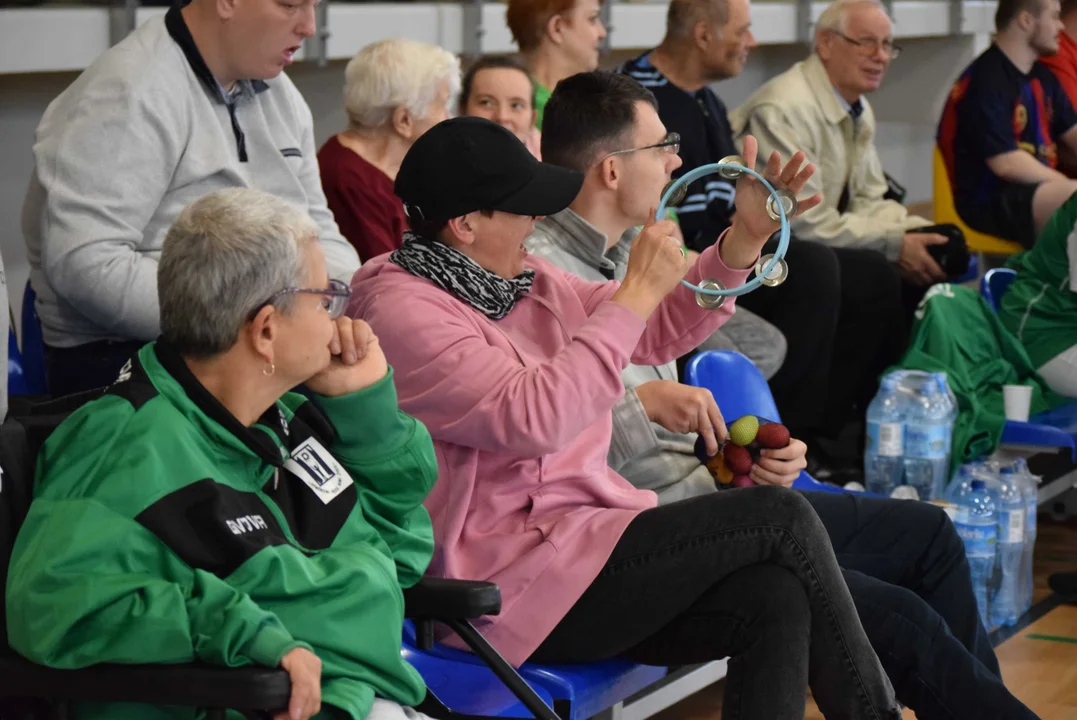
pixel 276 477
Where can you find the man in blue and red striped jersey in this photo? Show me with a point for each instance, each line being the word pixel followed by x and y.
pixel 1002 126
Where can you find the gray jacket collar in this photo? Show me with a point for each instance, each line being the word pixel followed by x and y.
pixel 571 233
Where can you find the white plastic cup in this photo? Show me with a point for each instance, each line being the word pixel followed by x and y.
pixel 1017 400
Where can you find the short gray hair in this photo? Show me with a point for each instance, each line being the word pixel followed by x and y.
pixel 393 73
pixel 226 254
pixel 683 16
pixel 833 18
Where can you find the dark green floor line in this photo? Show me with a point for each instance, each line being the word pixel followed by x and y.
pixel 1052 638
pixel 1037 611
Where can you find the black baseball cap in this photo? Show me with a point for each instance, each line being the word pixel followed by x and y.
pixel 468 164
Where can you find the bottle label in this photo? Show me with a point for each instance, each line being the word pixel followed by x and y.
pixel 886 439
pixel 1011 526
pixel 930 442
pixel 979 540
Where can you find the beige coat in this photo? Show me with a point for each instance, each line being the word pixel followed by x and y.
pixel 798 110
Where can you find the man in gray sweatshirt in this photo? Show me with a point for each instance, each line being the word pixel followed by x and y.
pixel 185 105
pixel 654 424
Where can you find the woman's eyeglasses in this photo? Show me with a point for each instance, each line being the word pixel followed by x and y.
pixel 334 298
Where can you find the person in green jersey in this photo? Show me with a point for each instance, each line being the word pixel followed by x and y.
pixel 200 510
pixel 557 38
pixel 1040 307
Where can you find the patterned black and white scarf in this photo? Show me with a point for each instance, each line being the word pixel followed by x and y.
pixel 454 272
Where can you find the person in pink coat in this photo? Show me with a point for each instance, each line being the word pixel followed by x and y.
pixel 514 366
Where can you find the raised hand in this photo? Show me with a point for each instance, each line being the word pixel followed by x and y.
pixel 752 226
pixel 656 264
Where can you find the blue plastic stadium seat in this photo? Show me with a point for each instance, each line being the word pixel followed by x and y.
pixel 16 370
pixel 972 273
pixel 740 389
pixel 738 386
pixel 468 689
pixel 1055 428
pixel 585 690
pixel 994 285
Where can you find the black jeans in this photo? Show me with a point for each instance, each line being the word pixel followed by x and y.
pixel 842 316
pixel 806 310
pixel 873 332
pixel 85 367
pixel 906 570
pixel 743 573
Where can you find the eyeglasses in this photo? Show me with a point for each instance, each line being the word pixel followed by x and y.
pixel 870 46
pixel 334 298
pixel 670 144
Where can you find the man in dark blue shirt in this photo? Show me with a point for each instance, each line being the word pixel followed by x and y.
pixel 840 310
pixel 1003 123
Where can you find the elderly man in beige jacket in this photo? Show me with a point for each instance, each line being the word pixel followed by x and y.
pixel 818 105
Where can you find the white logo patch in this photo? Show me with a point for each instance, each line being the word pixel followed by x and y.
pixel 313 464
pixel 246 524
pixel 125 373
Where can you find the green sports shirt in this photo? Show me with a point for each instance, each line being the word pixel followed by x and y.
pixel 1040 308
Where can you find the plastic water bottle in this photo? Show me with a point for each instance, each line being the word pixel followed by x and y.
pixel 961 485
pixel 1028 485
pixel 1009 550
pixel 950 401
pixel 976 524
pixel 928 429
pixel 885 447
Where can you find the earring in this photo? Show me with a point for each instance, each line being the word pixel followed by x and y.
pixel 269 369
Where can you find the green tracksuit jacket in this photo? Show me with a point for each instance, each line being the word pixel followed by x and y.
pixel 164 531
pixel 956 332
pixel 1040 308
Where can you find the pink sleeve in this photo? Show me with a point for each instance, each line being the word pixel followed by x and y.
pixel 679 324
pixel 591 293
pixel 469 392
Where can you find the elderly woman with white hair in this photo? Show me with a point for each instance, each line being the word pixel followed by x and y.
pixel 200 510
pixel 394 91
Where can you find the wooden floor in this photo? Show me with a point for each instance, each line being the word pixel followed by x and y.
pixel 1039 663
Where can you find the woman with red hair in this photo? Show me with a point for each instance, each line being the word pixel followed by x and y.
pixel 557 38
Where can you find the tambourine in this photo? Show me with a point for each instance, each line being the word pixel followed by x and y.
pixel 771 269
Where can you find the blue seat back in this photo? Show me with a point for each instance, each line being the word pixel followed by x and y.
pixel 994 285
pixel 738 386
pixel 16 371
pixel 585 689
pixel 472 690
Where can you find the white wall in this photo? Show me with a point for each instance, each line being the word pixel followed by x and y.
pixel 907 106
